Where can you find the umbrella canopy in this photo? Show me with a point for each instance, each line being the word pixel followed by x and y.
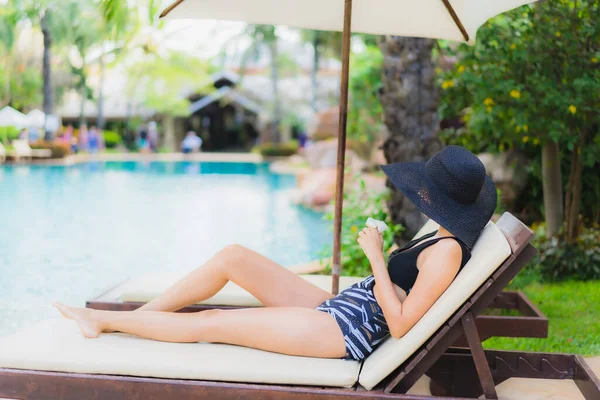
pixel 11 117
pixel 36 119
pixel 437 19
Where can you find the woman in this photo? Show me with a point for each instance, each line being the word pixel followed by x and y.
pixel 301 319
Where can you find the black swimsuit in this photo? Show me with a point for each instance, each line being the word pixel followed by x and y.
pixel 356 310
pixel 403 270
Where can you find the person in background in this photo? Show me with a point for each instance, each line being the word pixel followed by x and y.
pixel 142 142
pixel 101 145
pixel 68 134
pixel 83 138
pixel 74 145
pixel 34 135
pixel 24 134
pixel 191 143
pixel 153 136
pixel 93 141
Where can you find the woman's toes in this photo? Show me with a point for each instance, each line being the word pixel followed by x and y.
pixel 88 327
pixel 64 310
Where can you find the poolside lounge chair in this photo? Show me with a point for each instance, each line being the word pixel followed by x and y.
pixel 2 153
pixel 133 293
pixel 21 150
pixel 61 364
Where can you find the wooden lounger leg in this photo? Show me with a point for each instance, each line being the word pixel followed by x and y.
pixel 585 379
pixel 455 372
pixel 483 369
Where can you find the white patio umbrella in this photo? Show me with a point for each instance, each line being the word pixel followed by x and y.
pixel 437 19
pixel 11 117
pixel 36 119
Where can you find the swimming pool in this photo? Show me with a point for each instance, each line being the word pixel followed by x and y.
pixel 67 233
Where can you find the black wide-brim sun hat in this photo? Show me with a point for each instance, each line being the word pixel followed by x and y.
pixel 452 188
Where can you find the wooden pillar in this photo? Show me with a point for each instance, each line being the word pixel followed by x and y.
pixel 341 150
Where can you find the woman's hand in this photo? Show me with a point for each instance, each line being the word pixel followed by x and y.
pixel 371 241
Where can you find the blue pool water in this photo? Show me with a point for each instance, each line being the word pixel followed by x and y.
pixel 67 233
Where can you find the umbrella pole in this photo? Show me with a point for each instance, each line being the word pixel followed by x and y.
pixel 341 150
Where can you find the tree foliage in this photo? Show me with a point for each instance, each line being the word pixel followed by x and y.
pixel 158 81
pixel 534 75
pixel 533 78
pixel 365 114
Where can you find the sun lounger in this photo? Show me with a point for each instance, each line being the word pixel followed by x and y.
pixel 2 153
pixel 133 293
pixel 41 153
pixel 53 361
pixel 21 150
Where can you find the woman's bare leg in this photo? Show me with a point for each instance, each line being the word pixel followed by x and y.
pixel 272 284
pixel 287 330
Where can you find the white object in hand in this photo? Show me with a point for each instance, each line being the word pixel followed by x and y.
pixel 374 223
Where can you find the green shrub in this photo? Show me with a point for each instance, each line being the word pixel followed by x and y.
pixel 8 133
pixel 59 150
pixel 111 139
pixel 580 260
pixel 278 149
pixel 360 204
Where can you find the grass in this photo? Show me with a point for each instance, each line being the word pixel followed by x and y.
pixel 573 312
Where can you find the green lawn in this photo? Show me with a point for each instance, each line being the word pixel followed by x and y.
pixel 573 312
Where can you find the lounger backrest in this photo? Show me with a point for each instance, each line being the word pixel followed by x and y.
pixel 488 254
pixel 429 227
pixel 2 150
pixel 21 147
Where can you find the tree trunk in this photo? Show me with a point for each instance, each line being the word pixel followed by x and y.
pixel 315 71
pixel 573 194
pixel 275 82
pixel 7 95
pixel 410 101
pixel 168 125
pixel 100 116
pixel 83 94
pixel 82 107
pixel 46 71
pixel 552 187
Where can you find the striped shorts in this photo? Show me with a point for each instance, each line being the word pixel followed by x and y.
pixel 360 318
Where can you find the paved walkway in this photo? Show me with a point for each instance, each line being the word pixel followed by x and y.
pixel 205 157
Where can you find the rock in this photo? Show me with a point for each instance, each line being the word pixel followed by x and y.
pixel 323 154
pixel 316 188
pixel 325 124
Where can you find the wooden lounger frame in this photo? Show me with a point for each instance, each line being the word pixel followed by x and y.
pixel 463 373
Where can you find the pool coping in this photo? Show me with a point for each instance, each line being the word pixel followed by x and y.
pixel 75 159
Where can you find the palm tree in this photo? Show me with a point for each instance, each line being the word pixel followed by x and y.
pixel 262 37
pixel 53 24
pixel 8 27
pixel 323 43
pixel 48 105
pixel 120 25
pixel 410 102
pixel 265 36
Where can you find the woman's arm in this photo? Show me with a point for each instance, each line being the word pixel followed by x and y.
pixel 371 241
pixel 436 273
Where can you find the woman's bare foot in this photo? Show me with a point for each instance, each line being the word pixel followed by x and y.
pixel 90 328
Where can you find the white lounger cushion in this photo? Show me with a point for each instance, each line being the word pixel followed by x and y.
pixel 148 286
pixel 487 255
pixel 57 345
